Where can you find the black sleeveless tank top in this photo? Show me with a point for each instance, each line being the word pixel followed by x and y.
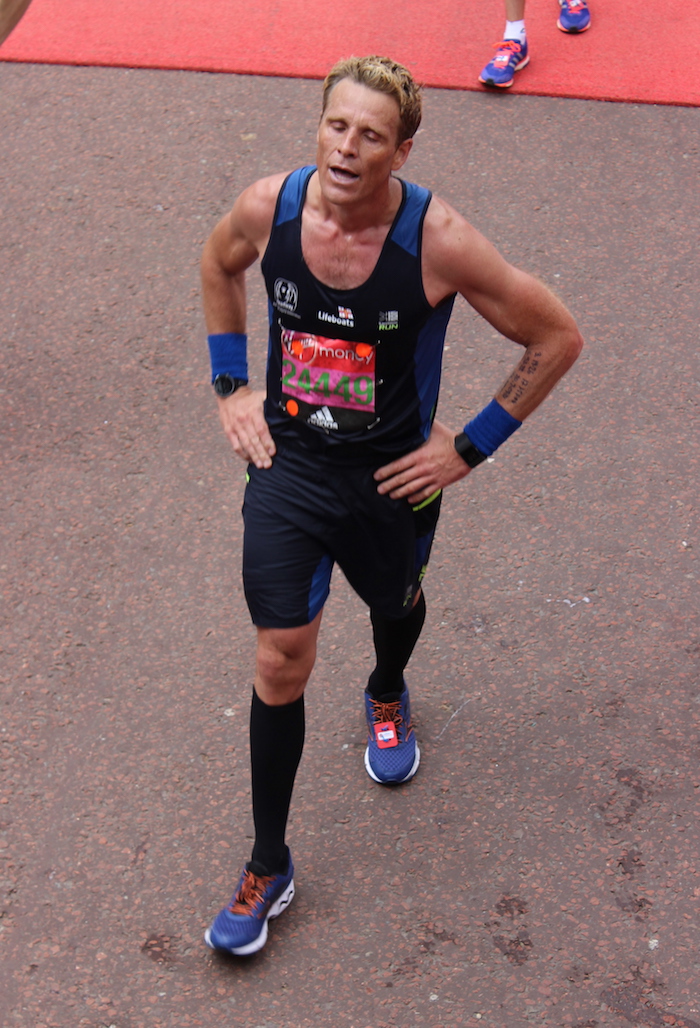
pixel 352 371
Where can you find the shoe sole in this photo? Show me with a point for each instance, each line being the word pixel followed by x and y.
pixel 504 85
pixel 277 908
pixel 392 781
pixel 573 32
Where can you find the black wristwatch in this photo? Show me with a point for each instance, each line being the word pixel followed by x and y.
pixel 468 451
pixel 225 385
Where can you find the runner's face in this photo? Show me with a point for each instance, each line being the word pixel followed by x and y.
pixel 357 148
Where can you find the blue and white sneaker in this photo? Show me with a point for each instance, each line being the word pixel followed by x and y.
pixel 574 16
pixel 241 927
pixel 392 755
pixel 511 56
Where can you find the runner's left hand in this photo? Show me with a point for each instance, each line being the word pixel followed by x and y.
pixel 422 472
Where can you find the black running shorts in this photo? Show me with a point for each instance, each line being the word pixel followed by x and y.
pixel 306 513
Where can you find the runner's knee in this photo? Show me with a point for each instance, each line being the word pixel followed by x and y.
pixel 285 659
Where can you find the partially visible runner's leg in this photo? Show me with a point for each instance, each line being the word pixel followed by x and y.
pixel 266 885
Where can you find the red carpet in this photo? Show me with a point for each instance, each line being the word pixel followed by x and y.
pixel 640 53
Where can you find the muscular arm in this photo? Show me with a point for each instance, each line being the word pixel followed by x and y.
pixel 234 245
pixel 457 258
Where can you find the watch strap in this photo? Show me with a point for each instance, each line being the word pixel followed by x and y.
pixel 225 384
pixel 467 451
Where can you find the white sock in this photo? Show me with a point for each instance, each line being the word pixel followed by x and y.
pixel 515 30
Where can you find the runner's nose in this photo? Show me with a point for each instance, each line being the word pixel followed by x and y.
pixel 348 143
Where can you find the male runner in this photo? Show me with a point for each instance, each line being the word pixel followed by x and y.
pixel 345 460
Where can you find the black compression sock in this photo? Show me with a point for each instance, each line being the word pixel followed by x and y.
pixel 394 642
pixel 276 744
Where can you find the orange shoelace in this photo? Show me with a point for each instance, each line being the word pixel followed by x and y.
pixel 382 712
pixel 250 893
pixel 508 44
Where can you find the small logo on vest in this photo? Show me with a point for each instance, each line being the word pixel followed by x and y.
pixel 388 320
pixel 343 317
pixel 286 295
pixel 323 419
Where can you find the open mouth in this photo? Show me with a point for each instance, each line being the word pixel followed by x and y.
pixel 343 174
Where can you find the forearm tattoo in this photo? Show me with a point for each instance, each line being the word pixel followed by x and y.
pixel 517 383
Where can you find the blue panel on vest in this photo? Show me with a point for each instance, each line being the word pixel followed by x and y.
pixel 406 231
pixel 292 194
pixel 428 361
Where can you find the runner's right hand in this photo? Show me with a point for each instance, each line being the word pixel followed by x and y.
pixel 244 423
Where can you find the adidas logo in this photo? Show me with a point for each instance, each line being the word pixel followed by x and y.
pixel 323 419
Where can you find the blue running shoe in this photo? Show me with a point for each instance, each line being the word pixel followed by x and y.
pixel 241 927
pixel 574 16
pixel 392 755
pixel 510 57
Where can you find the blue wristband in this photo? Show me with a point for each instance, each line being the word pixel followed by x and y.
pixel 491 427
pixel 228 352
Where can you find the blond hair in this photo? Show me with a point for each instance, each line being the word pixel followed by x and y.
pixel 385 76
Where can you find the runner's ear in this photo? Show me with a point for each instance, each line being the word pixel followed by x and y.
pixel 401 155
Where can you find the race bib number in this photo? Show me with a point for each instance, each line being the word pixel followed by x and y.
pixel 328 383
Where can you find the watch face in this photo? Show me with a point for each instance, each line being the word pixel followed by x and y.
pixel 467 451
pixel 223 385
